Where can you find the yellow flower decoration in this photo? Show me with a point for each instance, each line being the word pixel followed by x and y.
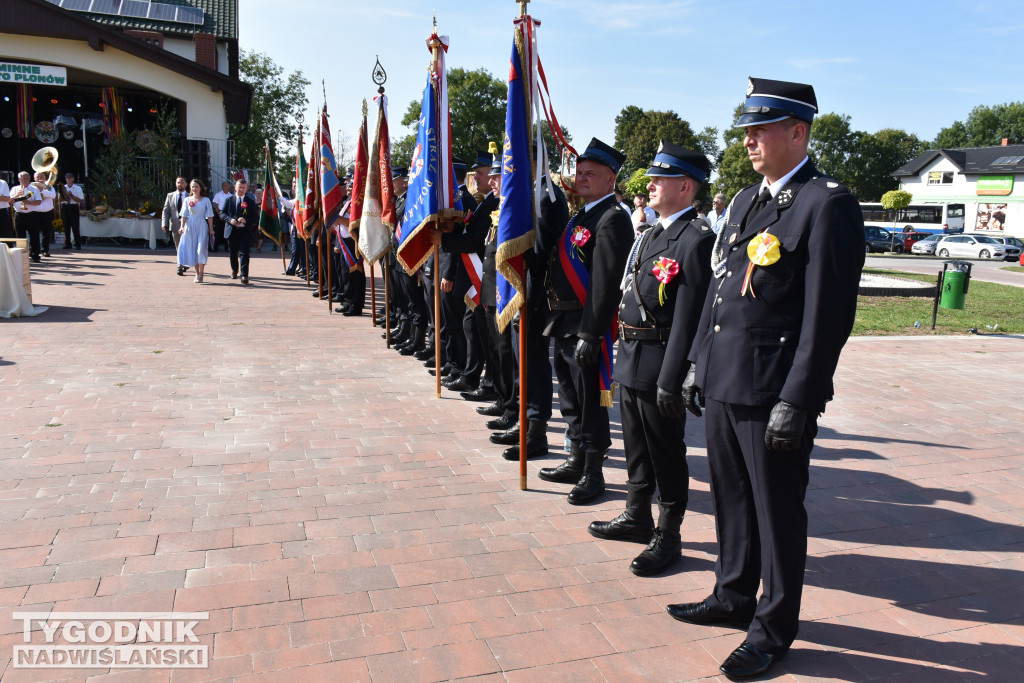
pixel 763 250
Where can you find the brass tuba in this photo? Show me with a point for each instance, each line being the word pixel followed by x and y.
pixel 45 161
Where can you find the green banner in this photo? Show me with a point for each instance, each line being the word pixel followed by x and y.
pixel 995 185
pixel 14 72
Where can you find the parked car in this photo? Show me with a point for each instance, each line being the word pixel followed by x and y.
pixel 974 246
pixel 881 240
pixel 926 245
pixel 1010 242
pixel 912 238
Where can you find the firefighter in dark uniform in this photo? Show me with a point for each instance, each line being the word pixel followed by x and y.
pixel 787 267
pixel 664 287
pixel 587 264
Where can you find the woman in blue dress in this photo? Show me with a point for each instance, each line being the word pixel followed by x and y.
pixel 196 229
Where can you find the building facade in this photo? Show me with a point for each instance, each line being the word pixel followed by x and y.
pixel 987 181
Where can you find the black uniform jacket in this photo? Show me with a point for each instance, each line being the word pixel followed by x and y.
pixel 605 255
pixel 233 209
pixel 469 238
pixel 647 365
pixel 785 343
pixel 451 256
pixel 550 224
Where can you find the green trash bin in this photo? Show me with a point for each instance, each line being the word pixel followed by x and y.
pixel 955 281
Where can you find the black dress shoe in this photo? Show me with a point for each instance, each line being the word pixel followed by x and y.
pixel 509 437
pixel 446 371
pixel 535 448
pixel 425 353
pixel 481 393
pixel 661 553
pixel 352 312
pixel 747 661
pixel 343 307
pixel 702 614
pixel 631 525
pixel 493 410
pixel 460 385
pixel 181 270
pixel 589 488
pixel 507 420
pixel 67 245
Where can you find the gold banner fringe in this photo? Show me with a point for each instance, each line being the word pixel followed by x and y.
pixel 608 397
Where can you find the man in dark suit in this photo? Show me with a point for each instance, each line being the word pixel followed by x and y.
pixel 583 298
pixel 664 287
pixel 240 215
pixel 787 266
pixel 170 219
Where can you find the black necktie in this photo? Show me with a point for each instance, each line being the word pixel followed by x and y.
pixel 179 202
pixel 762 201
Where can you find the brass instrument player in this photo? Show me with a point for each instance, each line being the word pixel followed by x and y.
pixel 25 197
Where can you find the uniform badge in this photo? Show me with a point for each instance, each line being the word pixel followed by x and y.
pixel 732 238
pixel 785 197
pixel 763 250
pixel 832 186
pixel 750 87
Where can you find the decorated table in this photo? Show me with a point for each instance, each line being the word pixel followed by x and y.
pixel 141 227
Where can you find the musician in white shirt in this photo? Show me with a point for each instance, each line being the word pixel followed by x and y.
pixel 25 197
pixel 45 210
pixel 72 199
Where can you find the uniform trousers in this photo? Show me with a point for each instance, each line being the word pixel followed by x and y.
pixel 298 248
pixel 27 226
pixel 354 291
pixel 238 246
pixel 538 364
pixel 655 452
pixel 70 214
pixel 418 312
pixel 579 398
pixel 6 226
pixel 760 520
pixel 499 347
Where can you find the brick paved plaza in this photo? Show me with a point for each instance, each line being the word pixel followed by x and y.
pixel 172 446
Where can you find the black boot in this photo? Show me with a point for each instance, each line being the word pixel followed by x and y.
pixel 401 335
pixel 664 549
pixel 570 471
pixel 417 341
pixel 635 524
pixel 536 442
pixel 507 420
pixel 591 484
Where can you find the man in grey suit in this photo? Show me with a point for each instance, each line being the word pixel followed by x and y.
pixel 171 220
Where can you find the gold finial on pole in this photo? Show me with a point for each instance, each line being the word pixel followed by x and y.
pixel 522 7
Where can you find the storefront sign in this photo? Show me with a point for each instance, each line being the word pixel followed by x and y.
pixel 995 185
pixel 28 74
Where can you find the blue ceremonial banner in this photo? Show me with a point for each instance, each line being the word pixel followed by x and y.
pixel 425 200
pixel 516 232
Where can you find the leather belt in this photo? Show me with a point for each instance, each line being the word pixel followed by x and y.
pixel 644 333
pixel 556 305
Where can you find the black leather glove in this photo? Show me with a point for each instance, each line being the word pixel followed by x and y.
pixel 691 392
pixel 785 427
pixel 588 352
pixel 670 405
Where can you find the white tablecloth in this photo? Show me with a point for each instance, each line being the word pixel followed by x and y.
pixel 134 228
pixel 14 302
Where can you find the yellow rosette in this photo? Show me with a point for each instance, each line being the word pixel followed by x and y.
pixel 763 250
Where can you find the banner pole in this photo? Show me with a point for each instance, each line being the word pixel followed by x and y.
pixel 387 308
pixel 523 426
pixel 373 298
pixel 306 242
pixel 330 278
pixel 437 320
pixel 319 261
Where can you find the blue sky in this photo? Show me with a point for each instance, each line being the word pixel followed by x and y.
pixel 913 64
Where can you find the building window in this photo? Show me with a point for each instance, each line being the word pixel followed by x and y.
pixel 1008 160
pixel 940 177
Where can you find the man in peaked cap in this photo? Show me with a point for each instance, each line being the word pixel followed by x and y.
pixel 664 286
pixel 583 298
pixel 787 266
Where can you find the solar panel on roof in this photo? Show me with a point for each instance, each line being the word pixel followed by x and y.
pixel 76 5
pixel 135 8
pixel 190 15
pixel 162 11
pixel 105 6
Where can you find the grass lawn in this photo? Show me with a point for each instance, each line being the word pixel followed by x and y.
pixel 986 304
pixel 1015 269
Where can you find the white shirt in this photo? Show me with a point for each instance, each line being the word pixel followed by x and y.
pixel 29 192
pixel 74 192
pixel 775 187
pixel 591 205
pixel 220 198
pixel 47 195
pixel 665 222
pixel 648 214
pixel 5 191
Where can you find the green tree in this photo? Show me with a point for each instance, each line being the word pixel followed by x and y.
pixel 734 171
pixel 985 126
pixel 277 103
pixel 638 132
pixel 876 156
pixel 832 144
pixel 637 183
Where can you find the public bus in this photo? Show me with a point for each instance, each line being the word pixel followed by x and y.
pixel 938 217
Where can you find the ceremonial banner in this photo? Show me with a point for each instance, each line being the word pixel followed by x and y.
pixel 516 233
pixel 475 270
pixel 432 195
pixel 331 191
pixel 313 187
pixel 270 219
pixel 299 187
pixel 378 211
pixel 355 212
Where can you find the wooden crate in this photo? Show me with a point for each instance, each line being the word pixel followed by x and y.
pixel 26 274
